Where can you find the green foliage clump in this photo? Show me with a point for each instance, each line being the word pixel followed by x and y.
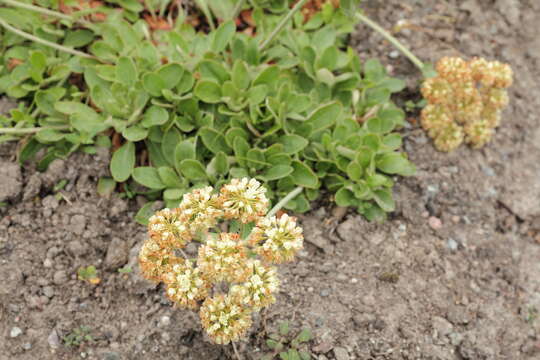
pixel 188 108
pixel 78 336
pixel 288 347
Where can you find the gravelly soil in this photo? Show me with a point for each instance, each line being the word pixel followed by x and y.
pixel 406 289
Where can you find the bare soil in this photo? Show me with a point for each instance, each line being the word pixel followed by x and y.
pixel 454 274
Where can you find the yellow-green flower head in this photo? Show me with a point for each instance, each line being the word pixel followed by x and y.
pixel 200 209
pixel 449 138
pixel 156 260
pixel 244 199
pixel 491 73
pixel 491 116
pixel 454 70
pixel 186 284
pixel 258 290
pixel 437 90
pixel 478 133
pixel 224 319
pixel 495 98
pixel 167 228
pixel 223 259
pixel 435 118
pixel 277 240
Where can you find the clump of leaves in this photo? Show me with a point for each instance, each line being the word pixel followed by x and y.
pixel 78 336
pixel 89 274
pixel 288 346
pixel 182 108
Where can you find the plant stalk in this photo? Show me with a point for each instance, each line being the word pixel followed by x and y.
pixel 31 130
pixel 37 9
pixel 237 9
pixel 44 42
pixel 284 201
pixel 282 24
pixel 416 61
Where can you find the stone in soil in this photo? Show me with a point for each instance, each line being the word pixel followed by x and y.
pixel 10 180
pixel 117 254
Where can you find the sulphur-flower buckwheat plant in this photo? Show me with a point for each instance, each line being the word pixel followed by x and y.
pixel 226 282
pixel 465 101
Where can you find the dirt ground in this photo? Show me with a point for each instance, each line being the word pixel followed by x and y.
pixel 454 274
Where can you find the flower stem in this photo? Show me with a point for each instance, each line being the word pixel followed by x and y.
pixel 31 130
pixel 416 61
pixel 203 5
pixel 37 9
pixel 237 8
pixel 284 201
pixel 44 42
pixel 282 24
pixel 236 351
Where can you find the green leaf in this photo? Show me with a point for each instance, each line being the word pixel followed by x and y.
pixel 240 75
pixel 325 116
pixel 173 194
pixel 241 147
pixel 208 91
pixel 221 163
pixel 394 163
pixel 154 116
pixel 45 99
pixel 304 336
pixel 380 125
pixel 355 171
pixel 78 38
pixel 304 176
pixel 49 136
pixel 135 133
pixel 169 177
pixel 192 169
pixel 171 74
pixel 284 328
pixel 154 84
pixel 277 172
pixel 144 213
pixel 223 36
pixel 105 186
pixel 292 144
pixel 268 76
pixel 383 198
pixel 344 197
pixel 184 150
pixel 38 64
pixel 126 72
pixel 123 162
pixel 149 177
pixel 304 355
pixel 168 145
pixel 214 140
pixel 256 159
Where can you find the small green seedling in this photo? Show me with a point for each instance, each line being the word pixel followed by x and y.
pixel 78 336
pixel 125 270
pixel 89 274
pixel 281 344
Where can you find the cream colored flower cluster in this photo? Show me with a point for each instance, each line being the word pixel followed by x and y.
pixel 226 280
pixel 465 101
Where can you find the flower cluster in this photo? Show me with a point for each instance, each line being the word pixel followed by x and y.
pixel 226 280
pixel 465 101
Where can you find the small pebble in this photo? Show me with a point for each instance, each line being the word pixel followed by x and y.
pixel 27 346
pixel 435 223
pixel 354 280
pixel 452 244
pixel 48 291
pixel 394 54
pixel 455 219
pixel 165 321
pixel 310 289
pixel 15 331
pixel 48 263
pixel 325 293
